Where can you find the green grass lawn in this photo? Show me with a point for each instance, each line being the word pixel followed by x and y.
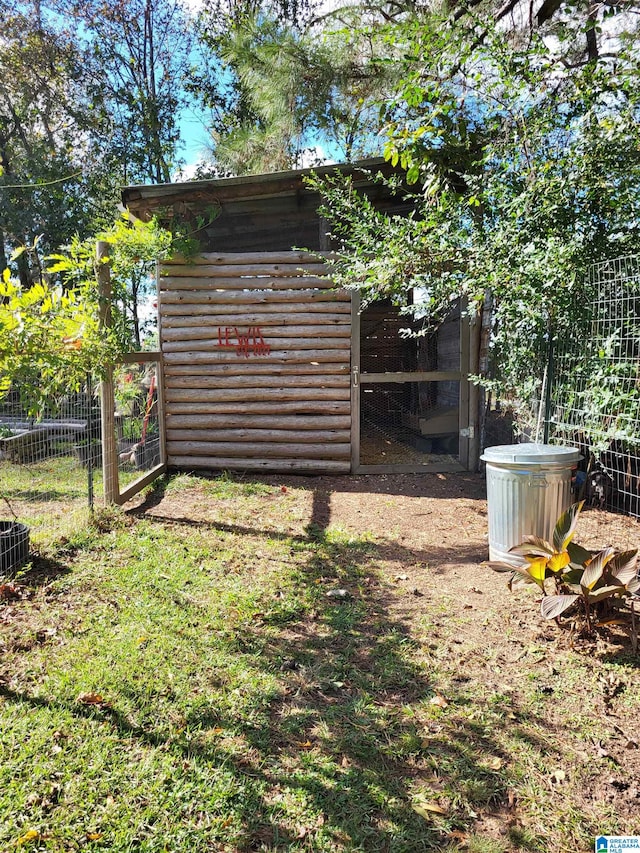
pixel 51 494
pixel 175 686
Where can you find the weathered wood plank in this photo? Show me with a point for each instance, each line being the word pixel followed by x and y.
pixel 213 345
pixel 208 333
pixel 206 463
pixel 256 382
pixel 275 357
pixel 139 357
pixel 255 297
pixel 246 317
pixel 243 258
pixel 145 480
pixel 253 395
pixel 260 435
pixel 299 407
pixel 212 314
pixel 261 450
pixel 282 270
pixel 169 283
pixel 246 367
pixel 249 421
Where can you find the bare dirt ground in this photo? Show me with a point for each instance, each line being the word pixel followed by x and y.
pixel 431 538
pixel 427 525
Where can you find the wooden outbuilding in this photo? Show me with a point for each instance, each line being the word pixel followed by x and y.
pixel 268 367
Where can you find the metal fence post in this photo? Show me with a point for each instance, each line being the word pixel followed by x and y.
pixel 549 388
pixel 107 399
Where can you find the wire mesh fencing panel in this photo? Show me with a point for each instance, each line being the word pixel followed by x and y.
pixel 50 471
pixel 137 420
pixel 402 423
pixel 596 388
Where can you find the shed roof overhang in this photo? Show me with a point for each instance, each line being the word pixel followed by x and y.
pixel 269 212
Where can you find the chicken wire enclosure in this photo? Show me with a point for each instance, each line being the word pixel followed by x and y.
pixel 595 392
pixel 50 470
pixel 409 392
pixel 400 423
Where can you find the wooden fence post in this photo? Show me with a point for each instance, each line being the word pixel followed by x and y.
pixel 107 398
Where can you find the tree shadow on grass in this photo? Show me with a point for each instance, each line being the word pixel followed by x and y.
pixel 348 734
pixel 338 733
pixel 352 733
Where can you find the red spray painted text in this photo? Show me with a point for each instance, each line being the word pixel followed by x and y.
pixel 251 343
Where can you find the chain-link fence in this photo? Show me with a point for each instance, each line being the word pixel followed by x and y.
pixel 595 389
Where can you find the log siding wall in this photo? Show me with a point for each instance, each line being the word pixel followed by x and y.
pixel 257 352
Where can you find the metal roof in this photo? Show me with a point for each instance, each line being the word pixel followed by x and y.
pixel 259 185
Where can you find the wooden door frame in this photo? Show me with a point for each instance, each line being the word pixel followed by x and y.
pixel 113 494
pixel 466 426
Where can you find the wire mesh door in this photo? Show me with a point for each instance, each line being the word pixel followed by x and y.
pixel 410 400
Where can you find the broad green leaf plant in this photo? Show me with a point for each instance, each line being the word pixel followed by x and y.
pixel 50 339
pixel 579 576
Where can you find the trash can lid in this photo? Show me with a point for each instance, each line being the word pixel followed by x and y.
pixel 528 454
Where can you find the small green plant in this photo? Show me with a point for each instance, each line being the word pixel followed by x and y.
pixel 607 577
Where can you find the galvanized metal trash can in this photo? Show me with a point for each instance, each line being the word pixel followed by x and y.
pixel 528 489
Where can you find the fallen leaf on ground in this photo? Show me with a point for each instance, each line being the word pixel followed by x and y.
pixel 438 700
pixel 495 763
pixel 10 592
pixel 30 835
pixel 90 699
pixel 427 810
pixel 558 776
pixel 401 578
pixel 460 837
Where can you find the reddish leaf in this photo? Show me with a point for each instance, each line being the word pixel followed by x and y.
pixel 10 592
